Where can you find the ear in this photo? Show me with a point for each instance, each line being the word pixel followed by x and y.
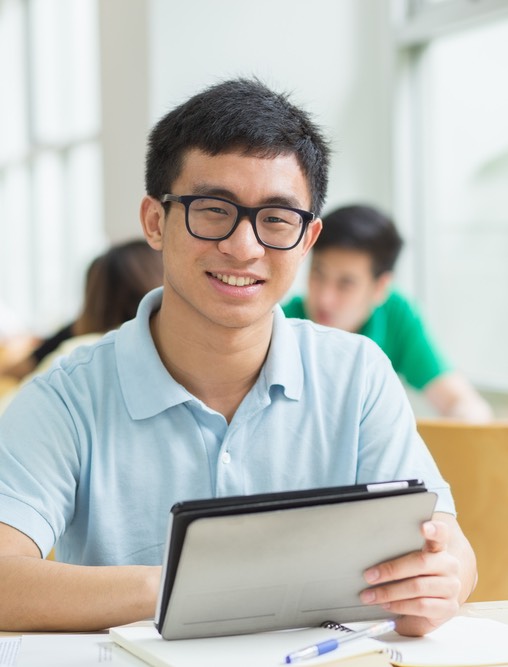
pixel 383 283
pixel 152 218
pixel 312 232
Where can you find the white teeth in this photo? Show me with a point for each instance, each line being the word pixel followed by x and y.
pixel 237 281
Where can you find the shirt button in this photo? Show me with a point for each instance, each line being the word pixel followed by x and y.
pixel 226 457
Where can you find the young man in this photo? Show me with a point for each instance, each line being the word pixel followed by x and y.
pixel 210 391
pixel 349 287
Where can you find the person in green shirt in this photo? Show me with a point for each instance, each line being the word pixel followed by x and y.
pixel 350 288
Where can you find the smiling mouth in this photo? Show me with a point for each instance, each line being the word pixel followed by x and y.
pixel 236 281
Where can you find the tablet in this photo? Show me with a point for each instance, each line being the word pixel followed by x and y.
pixel 283 560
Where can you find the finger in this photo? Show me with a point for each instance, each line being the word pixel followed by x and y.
pixel 413 564
pixel 433 609
pixel 416 588
pixel 436 535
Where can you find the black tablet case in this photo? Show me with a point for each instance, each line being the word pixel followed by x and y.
pixel 283 560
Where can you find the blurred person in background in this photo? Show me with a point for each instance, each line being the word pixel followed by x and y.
pixel 350 288
pixel 115 283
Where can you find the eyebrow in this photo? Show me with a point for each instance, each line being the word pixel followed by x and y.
pixel 218 191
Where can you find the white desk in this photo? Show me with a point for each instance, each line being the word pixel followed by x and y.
pixel 498 611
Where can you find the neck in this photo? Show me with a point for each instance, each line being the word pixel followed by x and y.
pixel 217 364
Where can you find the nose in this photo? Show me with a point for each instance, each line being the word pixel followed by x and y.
pixel 326 296
pixel 242 244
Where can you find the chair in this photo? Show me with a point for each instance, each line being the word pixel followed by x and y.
pixel 473 458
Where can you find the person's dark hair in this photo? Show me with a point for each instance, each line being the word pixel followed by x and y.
pixel 116 281
pixel 240 114
pixel 362 228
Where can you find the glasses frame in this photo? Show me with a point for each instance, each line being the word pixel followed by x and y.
pixel 242 212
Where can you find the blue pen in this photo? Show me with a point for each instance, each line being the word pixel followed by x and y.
pixel 332 644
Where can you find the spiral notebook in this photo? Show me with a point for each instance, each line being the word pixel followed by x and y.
pixel 266 649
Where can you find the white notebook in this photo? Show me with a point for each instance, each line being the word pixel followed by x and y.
pixel 264 649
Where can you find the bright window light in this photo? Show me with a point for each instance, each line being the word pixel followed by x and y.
pixel 50 158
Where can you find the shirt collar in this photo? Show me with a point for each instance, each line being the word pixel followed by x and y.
pixel 149 389
pixel 283 366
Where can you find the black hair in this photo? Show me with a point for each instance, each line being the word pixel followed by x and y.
pixel 239 114
pixel 362 228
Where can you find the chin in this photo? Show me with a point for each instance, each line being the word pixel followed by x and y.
pixel 337 325
pixel 327 322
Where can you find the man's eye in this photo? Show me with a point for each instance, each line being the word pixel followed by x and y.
pixel 281 220
pixel 211 210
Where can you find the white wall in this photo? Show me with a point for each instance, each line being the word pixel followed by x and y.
pixel 333 55
pixel 124 104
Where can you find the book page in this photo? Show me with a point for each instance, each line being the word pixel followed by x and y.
pixel 9 648
pixel 460 642
pixel 66 650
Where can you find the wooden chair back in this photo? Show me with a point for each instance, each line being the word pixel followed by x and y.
pixel 473 458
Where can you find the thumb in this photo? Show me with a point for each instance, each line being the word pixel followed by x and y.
pixel 436 536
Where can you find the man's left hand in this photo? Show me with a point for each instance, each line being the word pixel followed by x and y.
pixel 423 587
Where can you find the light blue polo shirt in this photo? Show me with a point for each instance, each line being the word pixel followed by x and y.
pixel 96 451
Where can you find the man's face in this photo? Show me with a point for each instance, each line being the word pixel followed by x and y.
pixel 342 290
pixel 253 278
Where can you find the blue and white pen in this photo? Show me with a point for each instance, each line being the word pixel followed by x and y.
pixel 332 644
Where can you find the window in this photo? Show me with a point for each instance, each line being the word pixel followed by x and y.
pixel 50 158
pixel 455 106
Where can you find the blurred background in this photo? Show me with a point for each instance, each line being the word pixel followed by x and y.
pixel 413 94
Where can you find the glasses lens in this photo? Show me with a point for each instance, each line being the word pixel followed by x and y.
pixel 279 227
pixel 211 218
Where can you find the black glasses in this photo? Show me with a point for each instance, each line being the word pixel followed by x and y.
pixel 215 219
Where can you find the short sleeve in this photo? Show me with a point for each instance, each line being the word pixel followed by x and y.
pixel 412 350
pixel 38 447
